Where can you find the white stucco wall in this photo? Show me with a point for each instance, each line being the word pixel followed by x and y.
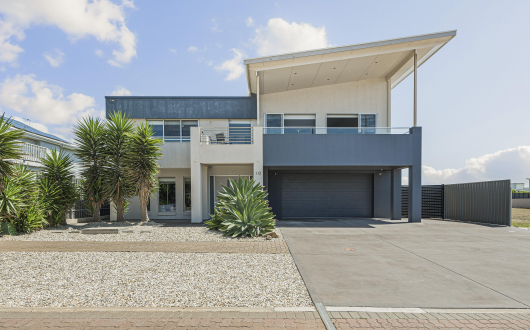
pixel 365 96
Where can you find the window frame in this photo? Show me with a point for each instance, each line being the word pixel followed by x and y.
pixel 181 138
pixel 169 180
pixel 184 194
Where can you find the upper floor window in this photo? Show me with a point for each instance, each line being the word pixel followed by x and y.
pixel 173 130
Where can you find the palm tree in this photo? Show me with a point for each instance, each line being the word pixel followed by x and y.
pixel 89 137
pixel 143 164
pixel 9 148
pixel 58 170
pixel 117 184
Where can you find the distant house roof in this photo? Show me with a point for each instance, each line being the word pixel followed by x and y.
pixel 30 129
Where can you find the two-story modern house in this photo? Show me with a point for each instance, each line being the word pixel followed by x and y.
pixel 315 130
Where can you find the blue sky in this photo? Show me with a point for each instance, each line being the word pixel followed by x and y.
pixel 60 58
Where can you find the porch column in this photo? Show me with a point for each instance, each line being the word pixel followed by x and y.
pixel 196 175
pixel 257 138
pixel 415 88
pixel 415 177
pixel 395 194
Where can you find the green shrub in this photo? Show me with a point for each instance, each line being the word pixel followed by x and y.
pixel 21 207
pixel 242 210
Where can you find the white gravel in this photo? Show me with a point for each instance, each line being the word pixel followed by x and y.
pixel 147 279
pixel 133 232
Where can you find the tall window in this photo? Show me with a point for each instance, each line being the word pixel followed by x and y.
pixel 187 194
pixel 166 195
pixel 273 120
pixel 173 130
pixel 368 121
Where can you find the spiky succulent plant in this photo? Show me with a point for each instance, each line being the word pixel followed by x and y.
pixel 242 210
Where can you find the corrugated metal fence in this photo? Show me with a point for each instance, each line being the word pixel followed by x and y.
pixel 485 202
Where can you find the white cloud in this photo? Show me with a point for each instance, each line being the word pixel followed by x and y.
pixel 511 164
pixel 194 49
pixel 404 181
pixel 215 27
pixel 249 21
pixel 55 58
pixel 43 101
pixel 101 19
pixel 121 91
pixel 280 36
pixel 234 66
pixel 173 50
pixel 99 52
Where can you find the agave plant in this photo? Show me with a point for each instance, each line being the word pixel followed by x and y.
pixel 242 210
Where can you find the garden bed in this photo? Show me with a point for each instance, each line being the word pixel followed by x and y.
pixel 133 231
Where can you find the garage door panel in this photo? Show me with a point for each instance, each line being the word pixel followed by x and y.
pixel 327 195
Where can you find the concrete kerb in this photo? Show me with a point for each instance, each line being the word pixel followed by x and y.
pixel 154 309
pixel 429 310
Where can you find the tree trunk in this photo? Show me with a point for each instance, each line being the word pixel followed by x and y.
pixel 119 210
pixel 143 196
pixel 96 215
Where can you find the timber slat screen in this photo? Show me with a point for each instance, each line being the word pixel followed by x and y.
pixel 432 201
pixel 485 202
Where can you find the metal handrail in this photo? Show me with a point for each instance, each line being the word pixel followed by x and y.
pixel 336 130
pixel 227 135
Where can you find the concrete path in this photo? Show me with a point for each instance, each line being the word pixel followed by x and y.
pixel 272 247
pixel 433 264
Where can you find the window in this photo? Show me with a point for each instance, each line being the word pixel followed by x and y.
pixel 368 121
pixel 273 120
pixel 186 126
pixel 187 194
pixel 239 133
pixel 166 195
pixel 158 128
pixel 298 122
pixel 173 130
pixel 342 124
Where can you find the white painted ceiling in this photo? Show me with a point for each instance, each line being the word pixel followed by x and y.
pixel 392 61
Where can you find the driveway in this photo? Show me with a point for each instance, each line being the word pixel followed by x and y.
pixel 433 264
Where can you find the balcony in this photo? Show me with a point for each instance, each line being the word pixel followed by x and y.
pixel 227 135
pixel 336 130
pixel 32 152
pixel 337 146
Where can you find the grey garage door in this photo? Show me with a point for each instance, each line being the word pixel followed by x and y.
pixel 327 195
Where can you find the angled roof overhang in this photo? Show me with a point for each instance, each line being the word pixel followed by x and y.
pixel 389 59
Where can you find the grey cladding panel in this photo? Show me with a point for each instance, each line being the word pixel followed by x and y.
pixel 184 107
pixel 327 195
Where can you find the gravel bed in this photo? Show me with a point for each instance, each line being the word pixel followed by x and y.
pixel 147 279
pixel 133 232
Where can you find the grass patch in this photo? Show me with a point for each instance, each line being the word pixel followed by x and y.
pixel 521 218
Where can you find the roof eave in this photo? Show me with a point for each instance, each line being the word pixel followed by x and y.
pixel 323 51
